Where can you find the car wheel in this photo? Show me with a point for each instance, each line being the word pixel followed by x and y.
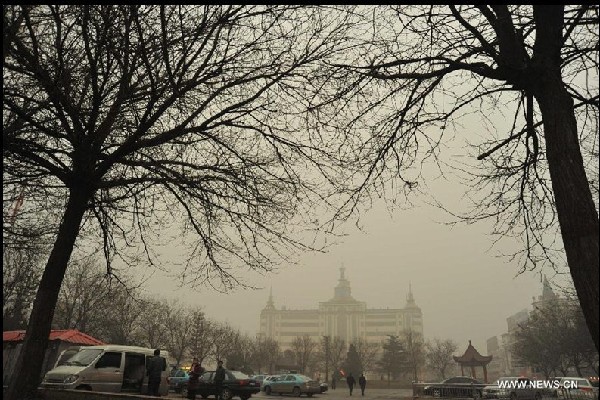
pixel 309 394
pixel 296 392
pixel 437 393
pixel 538 396
pixel 513 396
pixel 227 394
pixel 477 394
pixel 268 390
pixel 184 391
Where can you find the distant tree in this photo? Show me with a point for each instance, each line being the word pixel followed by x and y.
pixel 367 353
pixel 223 340
pixel 134 120
pixel 152 327
pixel 179 321
pixel 201 336
pixel 393 358
pixel 239 355
pixel 337 352
pixel 438 355
pixel 22 257
pixel 322 355
pixel 265 353
pixel 304 349
pixel 122 324
pixel 414 351
pixel 84 297
pixel 555 338
pixel 352 364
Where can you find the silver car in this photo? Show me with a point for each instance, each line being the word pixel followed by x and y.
pixel 294 384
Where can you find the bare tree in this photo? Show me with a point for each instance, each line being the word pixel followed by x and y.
pixel 135 120
pixel 179 322
pixel 21 272
pixel 337 352
pixel 555 339
pixel 84 297
pixel 151 325
pixel 304 351
pixel 201 336
pixel 417 71
pixel 266 352
pixel 224 338
pixel 367 353
pixel 438 355
pixel 414 352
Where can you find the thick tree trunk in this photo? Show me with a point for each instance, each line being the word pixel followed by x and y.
pixel 575 207
pixel 26 375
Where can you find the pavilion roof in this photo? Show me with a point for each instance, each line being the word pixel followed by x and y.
pixel 471 357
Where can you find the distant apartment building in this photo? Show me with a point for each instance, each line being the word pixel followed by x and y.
pixel 341 316
pixel 505 362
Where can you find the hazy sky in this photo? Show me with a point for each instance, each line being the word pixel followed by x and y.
pixel 465 290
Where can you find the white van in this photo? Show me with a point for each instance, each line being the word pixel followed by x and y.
pixel 106 368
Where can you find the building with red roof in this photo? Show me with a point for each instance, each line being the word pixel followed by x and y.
pixel 60 340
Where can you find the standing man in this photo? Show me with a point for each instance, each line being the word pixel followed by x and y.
pixel 156 365
pixel 351 382
pixel 334 378
pixel 362 382
pixel 219 378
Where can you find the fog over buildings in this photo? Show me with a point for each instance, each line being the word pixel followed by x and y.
pixel 462 284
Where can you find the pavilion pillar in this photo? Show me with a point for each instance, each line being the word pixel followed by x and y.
pixel 473 374
pixel 462 371
pixel 485 380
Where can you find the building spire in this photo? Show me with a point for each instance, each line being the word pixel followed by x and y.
pixel 410 299
pixel 270 304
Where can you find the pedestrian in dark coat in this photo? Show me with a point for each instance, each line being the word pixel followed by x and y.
pixel 362 382
pixel 196 371
pixel 154 368
pixel 219 378
pixel 351 382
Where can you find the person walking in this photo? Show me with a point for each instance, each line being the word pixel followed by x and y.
pixel 219 378
pixel 351 382
pixel 334 379
pixel 362 382
pixel 195 372
pixel 156 365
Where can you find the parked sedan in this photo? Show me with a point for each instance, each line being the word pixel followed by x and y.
pixel 294 384
pixel 236 384
pixel 457 386
pixel 514 388
pixel 178 379
pixel 267 380
pixel 576 388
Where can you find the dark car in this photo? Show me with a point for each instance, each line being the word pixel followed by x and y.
pixel 457 386
pixel 178 379
pixel 236 384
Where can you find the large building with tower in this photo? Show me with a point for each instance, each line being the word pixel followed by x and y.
pixel 341 316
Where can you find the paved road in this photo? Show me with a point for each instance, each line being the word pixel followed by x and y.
pixel 337 394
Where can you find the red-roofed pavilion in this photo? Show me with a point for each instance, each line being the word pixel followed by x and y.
pixel 473 359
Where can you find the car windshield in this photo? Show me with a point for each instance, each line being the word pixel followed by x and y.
pixel 84 357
